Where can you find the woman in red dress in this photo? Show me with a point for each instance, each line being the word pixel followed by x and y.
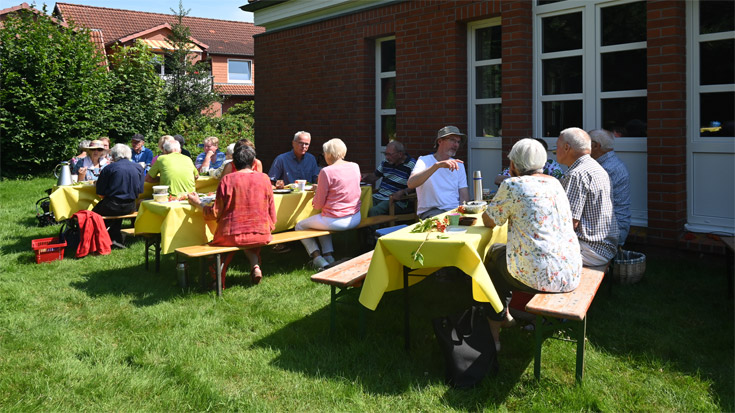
pixel 244 210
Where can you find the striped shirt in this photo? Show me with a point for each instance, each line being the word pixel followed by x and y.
pixel 395 177
pixel 588 189
pixel 620 185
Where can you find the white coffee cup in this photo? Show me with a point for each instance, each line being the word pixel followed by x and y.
pixel 74 178
pixel 301 183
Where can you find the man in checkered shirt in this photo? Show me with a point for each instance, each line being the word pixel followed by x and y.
pixel 603 143
pixel 588 189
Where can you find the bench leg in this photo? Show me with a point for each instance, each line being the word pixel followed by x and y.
pixel 333 312
pixel 538 333
pixel 218 263
pixel 363 311
pixel 581 334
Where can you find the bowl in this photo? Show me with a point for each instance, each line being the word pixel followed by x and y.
pixel 160 197
pixel 475 207
pixel 160 189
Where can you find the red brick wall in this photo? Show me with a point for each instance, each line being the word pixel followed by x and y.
pixel 667 194
pixel 320 77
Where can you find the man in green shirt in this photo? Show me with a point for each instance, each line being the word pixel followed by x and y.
pixel 175 170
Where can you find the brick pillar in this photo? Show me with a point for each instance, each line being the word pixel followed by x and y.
pixel 667 116
pixel 517 72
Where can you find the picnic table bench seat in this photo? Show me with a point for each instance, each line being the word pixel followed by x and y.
pixel 343 276
pixel 566 312
pixel 131 215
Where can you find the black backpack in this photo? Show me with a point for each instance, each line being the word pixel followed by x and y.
pixel 46 217
pixel 70 233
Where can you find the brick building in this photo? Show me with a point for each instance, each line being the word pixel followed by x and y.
pixel 659 73
pixel 228 45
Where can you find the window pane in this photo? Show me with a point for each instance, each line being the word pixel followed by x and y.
pixel 487 43
pixel 716 114
pixel 625 116
pixel 717 62
pixel 388 56
pixel 542 2
pixel 238 70
pixel 558 116
pixel 562 75
pixel 562 32
pixel 716 16
pixel 488 80
pixel 625 23
pixel 388 129
pixel 488 120
pixel 624 70
pixel 388 93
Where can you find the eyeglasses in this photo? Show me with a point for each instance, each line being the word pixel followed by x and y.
pixel 98 149
pixel 303 143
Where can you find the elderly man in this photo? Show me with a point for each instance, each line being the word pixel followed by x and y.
pixel 395 170
pixel 603 143
pixel 180 140
pixel 588 189
pixel 141 154
pixel 439 179
pixel 175 170
pixel 297 163
pixel 212 157
pixel 119 185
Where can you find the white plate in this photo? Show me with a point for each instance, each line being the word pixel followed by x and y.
pixel 282 191
pixel 456 229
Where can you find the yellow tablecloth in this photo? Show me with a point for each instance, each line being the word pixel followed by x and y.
pixel 182 225
pixel 465 251
pixel 68 199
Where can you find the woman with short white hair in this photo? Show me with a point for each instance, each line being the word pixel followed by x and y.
pixel 338 197
pixel 542 253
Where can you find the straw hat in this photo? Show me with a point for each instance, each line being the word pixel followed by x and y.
pixel 95 144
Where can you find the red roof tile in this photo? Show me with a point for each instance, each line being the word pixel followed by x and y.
pixel 222 36
pixel 234 90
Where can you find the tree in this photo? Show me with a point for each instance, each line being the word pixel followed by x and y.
pixel 189 84
pixel 136 93
pixel 52 92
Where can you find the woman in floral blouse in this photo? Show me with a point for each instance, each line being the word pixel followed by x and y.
pixel 542 253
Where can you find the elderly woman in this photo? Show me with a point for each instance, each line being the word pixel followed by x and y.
pixel 257 165
pixel 220 172
pixel 542 254
pixel 244 211
pixel 89 167
pixel 338 197
pixel 106 144
pixel 162 141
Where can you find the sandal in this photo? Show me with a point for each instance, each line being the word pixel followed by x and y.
pixel 256 275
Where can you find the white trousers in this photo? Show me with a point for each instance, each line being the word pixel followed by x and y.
pixel 589 257
pixel 325 223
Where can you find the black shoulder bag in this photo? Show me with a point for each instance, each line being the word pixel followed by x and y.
pixel 468 347
pixel 70 233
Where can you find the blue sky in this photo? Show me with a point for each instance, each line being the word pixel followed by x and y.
pixel 221 9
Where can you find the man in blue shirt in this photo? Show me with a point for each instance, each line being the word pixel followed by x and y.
pixel 211 158
pixel 603 152
pixel 119 185
pixel 295 164
pixel 140 154
pixel 395 170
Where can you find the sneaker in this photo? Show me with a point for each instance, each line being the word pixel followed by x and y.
pixel 329 258
pixel 319 263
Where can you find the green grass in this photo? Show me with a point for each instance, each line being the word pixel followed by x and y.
pixel 103 334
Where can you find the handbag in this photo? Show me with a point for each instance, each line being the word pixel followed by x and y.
pixel 468 347
pixel 70 233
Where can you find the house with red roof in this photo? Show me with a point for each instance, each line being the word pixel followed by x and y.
pixel 227 45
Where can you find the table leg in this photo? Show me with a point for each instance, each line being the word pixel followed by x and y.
pixel 406 308
pixel 218 263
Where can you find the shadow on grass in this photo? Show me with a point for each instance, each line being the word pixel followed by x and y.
pixel 677 316
pixel 379 362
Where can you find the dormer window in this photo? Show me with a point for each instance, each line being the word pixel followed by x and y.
pixel 239 71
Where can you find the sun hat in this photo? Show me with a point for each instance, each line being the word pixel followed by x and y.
pixel 449 130
pixel 95 144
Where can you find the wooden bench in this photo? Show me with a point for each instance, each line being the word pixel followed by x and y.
pixel 131 215
pixel 344 276
pixel 201 251
pixel 566 312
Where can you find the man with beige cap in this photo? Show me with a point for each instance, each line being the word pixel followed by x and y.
pixel 439 179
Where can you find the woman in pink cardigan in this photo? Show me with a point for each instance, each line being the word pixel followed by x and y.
pixel 338 197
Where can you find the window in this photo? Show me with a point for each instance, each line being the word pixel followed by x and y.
pixel 238 71
pixel 592 67
pixel 160 66
pixel 385 92
pixel 486 79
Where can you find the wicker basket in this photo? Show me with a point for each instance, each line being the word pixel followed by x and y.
pixel 628 267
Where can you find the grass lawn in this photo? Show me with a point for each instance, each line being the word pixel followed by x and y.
pixel 103 334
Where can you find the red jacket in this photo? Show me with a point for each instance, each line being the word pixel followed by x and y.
pixel 93 236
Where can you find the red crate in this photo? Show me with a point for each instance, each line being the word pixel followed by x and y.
pixel 48 249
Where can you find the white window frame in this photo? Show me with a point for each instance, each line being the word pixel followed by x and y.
pixel 472 65
pixel 697 222
pixel 379 111
pixel 230 80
